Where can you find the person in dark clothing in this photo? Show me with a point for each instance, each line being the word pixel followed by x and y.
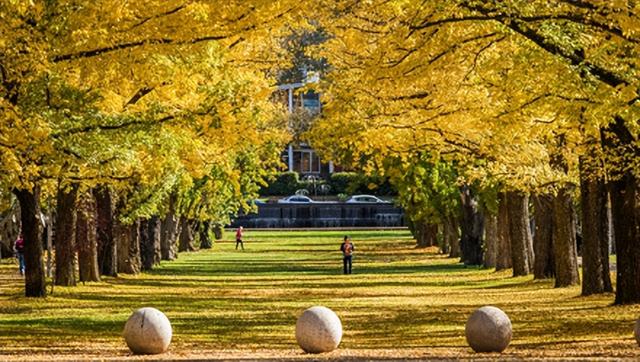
pixel 239 238
pixel 347 249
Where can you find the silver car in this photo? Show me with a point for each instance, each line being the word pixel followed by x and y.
pixel 295 199
pixel 366 199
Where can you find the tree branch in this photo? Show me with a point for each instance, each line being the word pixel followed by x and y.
pixel 105 50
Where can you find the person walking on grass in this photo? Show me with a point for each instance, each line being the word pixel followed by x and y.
pixel 239 238
pixel 347 249
pixel 18 247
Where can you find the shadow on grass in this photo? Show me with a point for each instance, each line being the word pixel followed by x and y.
pixel 242 266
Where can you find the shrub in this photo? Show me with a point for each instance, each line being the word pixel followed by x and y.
pixel 286 183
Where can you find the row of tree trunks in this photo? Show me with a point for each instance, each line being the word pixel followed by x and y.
pixel 107 248
pixel 544 263
pixel 472 229
pixel 426 234
pixel 452 236
pixel 65 236
pixel 519 232
pixel 86 238
pixel 503 254
pixel 596 231
pixel 34 280
pixel 80 223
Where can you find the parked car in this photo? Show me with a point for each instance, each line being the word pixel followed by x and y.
pixel 366 199
pixel 295 199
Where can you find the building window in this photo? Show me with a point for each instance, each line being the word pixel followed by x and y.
pixel 306 161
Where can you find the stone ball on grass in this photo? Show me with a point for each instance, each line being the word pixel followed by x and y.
pixel 636 331
pixel 488 330
pixel 318 330
pixel 148 331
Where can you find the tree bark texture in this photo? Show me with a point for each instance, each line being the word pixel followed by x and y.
pixel 150 243
pixel 452 236
pixel 107 248
pixel 472 229
pixel 65 237
pixel 34 280
pixel 205 235
pixel 186 235
pixel 490 240
pixel 544 263
pixel 519 233
pixel 503 255
pixel 564 240
pixel 127 237
pixel 86 239
pixel 170 232
pixel 595 236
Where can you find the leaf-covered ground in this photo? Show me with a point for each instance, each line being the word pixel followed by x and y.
pixel 400 303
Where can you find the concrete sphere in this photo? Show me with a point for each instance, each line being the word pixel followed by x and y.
pixel 147 331
pixel 636 331
pixel 318 330
pixel 488 330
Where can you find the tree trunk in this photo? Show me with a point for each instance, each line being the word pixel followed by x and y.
pixel 170 232
pixel 544 264
pixel 564 240
pixel 426 234
pixel 626 215
pixel 66 236
pixel 519 233
pixel 472 229
pixel 595 235
pixel 205 235
pixel 127 238
pixel 107 247
pixel 218 232
pixel 452 236
pixel 150 243
pixel 503 255
pixel 86 239
pixel 34 280
pixel 490 240
pixel 186 235
pixel 624 188
pixel 155 231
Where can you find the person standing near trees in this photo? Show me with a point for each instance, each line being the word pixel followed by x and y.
pixel 347 249
pixel 239 238
pixel 18 248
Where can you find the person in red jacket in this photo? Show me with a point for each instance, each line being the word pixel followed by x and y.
pixel 239 238
pixel 18 247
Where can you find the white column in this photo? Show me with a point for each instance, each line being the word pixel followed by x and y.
pixel 290 100
pixel 290 157
pixel 331 167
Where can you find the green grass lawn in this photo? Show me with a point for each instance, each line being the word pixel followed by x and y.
pixel 401 302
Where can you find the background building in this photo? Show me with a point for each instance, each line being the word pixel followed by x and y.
pixel 303 106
